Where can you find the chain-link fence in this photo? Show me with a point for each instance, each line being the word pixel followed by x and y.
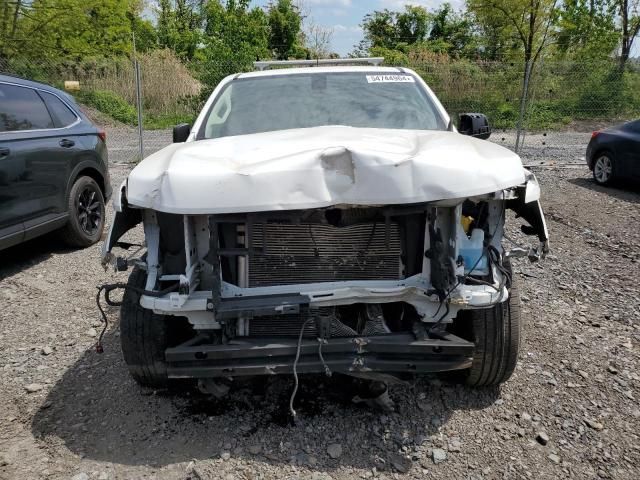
pixel 569 100
pixel 107 92
pixel 550 121
pixel 553 118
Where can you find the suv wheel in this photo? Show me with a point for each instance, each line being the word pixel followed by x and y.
pixel 86 213
pixel 145 335
pixel 496 333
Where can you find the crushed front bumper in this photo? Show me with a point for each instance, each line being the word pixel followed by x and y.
pixel 392 353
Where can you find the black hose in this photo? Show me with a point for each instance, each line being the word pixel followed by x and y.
pixel 107 288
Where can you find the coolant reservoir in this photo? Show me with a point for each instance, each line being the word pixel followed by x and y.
pixel 471 249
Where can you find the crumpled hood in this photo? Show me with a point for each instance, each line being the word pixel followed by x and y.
pixel 320 167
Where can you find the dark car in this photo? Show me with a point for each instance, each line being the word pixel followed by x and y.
pixel 53 166
pixel 614 153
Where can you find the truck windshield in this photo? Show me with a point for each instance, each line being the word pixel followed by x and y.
pixel 281 102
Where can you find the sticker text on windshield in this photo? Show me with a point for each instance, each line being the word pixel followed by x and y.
pixel 390 79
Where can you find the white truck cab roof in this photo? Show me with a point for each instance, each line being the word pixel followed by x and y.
pixel 327 69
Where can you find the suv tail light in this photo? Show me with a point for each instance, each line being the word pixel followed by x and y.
pixel 595 134
pixel 103 135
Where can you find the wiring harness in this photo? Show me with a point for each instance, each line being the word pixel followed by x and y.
pixel 495 258
pixel 107 288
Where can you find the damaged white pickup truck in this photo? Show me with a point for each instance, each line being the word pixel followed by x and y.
pixel 324 219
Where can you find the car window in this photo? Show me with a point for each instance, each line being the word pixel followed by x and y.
pixel 22 109
pixel 62 115
pixel 363 99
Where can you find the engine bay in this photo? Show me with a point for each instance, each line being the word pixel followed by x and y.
pixel 248 273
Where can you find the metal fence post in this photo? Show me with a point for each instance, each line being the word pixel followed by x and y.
pixel 523 105
pixel 136 66
pixel 139 108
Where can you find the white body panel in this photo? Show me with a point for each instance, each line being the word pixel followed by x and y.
pixel 319 167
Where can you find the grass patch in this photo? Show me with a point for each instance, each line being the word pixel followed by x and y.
pixel 117 108
pixel 161 122
pixel 110 104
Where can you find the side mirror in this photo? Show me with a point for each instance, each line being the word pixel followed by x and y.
pixel 181 132
pixel 474 125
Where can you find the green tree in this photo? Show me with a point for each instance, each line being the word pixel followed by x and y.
pixel 386 30
pixel 530 22
pixel 285 21
pixel 380 31
pixel 412 25
pixel 234 36
pixel 629 13
pixel 414 28
pixel 495 38
pixel 145 32
pixel 71 29
pixel 179 26
pixel 164 28
pixel 11 14
pixel 587 29
pixel 453 31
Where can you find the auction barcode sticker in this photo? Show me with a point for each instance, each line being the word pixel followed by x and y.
pixel 390 79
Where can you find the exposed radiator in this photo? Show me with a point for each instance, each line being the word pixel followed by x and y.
pixel 281 326
pixel 290 325
pixel 308 253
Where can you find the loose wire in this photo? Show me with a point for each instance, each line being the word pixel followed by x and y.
pixel 327 370
pixel 295 370
pixel 107 288
pixel 445 300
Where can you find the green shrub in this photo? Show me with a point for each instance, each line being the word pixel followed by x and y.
pixel 603 96
pixel 391 57
pixel 505 116
pixel 546 114
pixel 109 103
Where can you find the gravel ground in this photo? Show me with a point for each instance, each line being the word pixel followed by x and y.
pixel 570 410
pixel 124 145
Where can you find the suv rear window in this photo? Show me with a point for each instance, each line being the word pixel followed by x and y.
pixel 62 115
pixel 22 108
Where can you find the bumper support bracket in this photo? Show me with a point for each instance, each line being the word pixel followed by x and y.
pixel 397 352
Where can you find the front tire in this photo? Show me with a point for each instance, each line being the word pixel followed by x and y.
pixel 143 335
pixel 86 214
pixel 496 333
pixel 604 168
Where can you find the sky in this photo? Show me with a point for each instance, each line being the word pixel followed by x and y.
pixel 345 16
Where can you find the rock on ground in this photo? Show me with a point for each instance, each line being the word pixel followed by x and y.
pixel 334 450
pixel 438 455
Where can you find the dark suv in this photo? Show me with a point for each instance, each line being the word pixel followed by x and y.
pixel 53 166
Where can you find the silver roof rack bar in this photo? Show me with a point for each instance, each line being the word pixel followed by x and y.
pixel 263 65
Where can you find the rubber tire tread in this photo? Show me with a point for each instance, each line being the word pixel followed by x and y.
pixel 497 334
pixel 72 233
pixel 143 336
